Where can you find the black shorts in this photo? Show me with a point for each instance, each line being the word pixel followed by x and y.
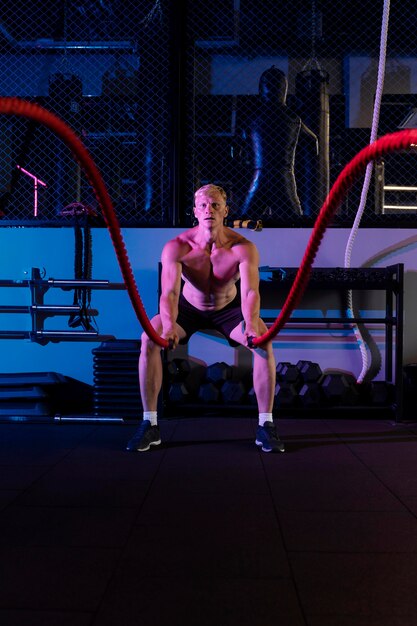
pixel 192 319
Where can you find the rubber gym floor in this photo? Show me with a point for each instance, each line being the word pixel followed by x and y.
pixel 206 529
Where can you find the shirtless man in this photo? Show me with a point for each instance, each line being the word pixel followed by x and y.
pixel 210 258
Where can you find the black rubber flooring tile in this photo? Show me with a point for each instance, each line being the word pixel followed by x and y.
pixel 215 510
pixel 208 551
pixel 114 437
pixel 209 481
pixel 20 476
pixel 109 465
pixel 309 455
pixel 53 432
pixel 367 620
pixel 215 428
pixel 35 454
pixel 299 427
pixel 132 600
pixel 55 578
pixel 211 466
pixel 334 489
pixel 7 496
pixel 54 489
pixel 357 585
pixel 63 526
pixel 410 503
pixel 400 479
pixel 366 531
pixel 373 427
pixel 211 454
pixel 387 453
pixel 43 618
pixel 39 444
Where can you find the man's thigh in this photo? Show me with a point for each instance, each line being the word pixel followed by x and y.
pixel 157 325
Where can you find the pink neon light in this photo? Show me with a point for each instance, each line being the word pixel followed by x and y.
pixel 36 181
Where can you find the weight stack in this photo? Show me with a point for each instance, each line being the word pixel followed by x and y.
pixel 116 384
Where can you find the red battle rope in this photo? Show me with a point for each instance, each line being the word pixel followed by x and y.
pixel 389 143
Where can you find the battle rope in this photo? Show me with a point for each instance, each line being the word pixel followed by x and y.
pixel 366 183
pixel 21 108
pixel 400 140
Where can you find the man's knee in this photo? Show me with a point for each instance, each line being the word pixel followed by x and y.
pixel 147 345
pixel 265 350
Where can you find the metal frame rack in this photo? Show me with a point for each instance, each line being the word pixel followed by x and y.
pixel 39 311
pixel 389 279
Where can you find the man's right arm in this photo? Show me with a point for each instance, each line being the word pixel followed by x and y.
pixel 170 290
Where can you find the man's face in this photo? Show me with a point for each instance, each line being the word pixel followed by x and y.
pixel 210 208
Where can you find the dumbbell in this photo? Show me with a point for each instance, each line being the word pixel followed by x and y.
pixel 339 389
pixel 184 378
pixel 209 393
pixel 310 372
pixel 218 372
pixel 178 393
pixel 356 393
pixel 310 395
pixel 381 393
pixel 252 397
pixel 280 367
pixel 285 394
pixel 289 373
pixel 177 369
pixel 171 370
pixel 233 392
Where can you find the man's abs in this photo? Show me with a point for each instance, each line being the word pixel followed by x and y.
pixel 213 299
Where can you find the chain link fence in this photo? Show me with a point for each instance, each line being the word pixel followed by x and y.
pixel 103 66
pixel 108 68
pixel 277 153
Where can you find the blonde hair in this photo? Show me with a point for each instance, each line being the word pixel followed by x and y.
pixel 211 187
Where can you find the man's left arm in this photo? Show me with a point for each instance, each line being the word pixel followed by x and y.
pixel 249 289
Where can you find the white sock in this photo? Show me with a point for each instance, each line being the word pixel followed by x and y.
pixel 152 416
pixel 265 417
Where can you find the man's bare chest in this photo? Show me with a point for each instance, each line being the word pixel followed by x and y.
pixel 221 266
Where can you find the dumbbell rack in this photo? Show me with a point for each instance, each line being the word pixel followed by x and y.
pixel 389 279
pixel 39 311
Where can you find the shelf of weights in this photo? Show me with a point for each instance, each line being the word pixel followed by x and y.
pixel 302 388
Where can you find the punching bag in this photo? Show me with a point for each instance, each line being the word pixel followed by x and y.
pixel 312 94
pixel 273 132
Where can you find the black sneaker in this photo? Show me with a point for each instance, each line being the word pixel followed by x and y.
pixel 145 437
pixel 267 437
